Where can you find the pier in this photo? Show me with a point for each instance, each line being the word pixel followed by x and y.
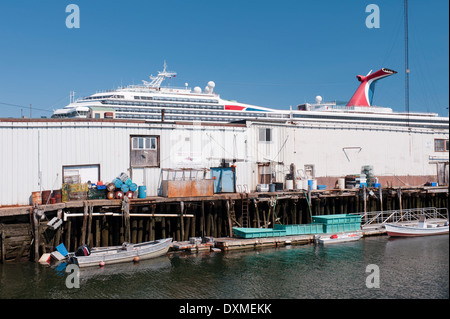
pixel 27 232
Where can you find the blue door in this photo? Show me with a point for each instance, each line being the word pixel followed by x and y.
pixel 224 179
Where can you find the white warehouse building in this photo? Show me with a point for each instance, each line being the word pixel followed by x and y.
pixel 37 153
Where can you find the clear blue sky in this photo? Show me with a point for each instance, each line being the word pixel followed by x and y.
pixel 268 53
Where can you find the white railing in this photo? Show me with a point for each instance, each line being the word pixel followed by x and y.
pixel 394 216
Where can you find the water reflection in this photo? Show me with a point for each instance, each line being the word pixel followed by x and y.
pixel 409 268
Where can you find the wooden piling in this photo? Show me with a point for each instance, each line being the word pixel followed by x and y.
pixel 380 197
pixel 2 246
pixel 105 232
pixel 230 225
pixel 84 226
pixel 202 220
pixel 36 235
pixel 140 230
pixel 163 227
pixel 126 216
pixel 187 225
pixel 89 230
pixel 97 232
pixel 193 227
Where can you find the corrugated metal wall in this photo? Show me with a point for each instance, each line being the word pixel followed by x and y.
pixel 32 146
pixel 46 146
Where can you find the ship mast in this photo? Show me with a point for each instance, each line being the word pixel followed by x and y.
pixel 162 75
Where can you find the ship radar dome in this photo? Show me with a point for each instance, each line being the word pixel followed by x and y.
pixel 197 89
pixel 318 99
pixel 211 84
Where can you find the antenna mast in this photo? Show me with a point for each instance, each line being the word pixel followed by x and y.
pixel 157 80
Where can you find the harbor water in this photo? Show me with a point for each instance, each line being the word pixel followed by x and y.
pixel 409 268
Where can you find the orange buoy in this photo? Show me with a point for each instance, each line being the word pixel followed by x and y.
pixel 136 259
pixel 101 264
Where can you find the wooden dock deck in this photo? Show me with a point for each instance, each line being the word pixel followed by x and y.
pixel 104 222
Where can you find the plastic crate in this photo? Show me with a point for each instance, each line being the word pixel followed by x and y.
pixel 300 229
pixel 337 219
pixel 258 232
pixel 291 229
pixel 344 227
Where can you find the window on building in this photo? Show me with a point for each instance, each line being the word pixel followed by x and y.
pixel 264 173
pixel 144 151
pixel 441 145
pixel 144 143
pixel 265 135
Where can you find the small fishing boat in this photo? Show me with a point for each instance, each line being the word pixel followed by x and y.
pixel 421 229
pixel 337 238
pixel 119 254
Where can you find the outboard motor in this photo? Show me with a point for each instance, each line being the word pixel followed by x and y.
pixel 83 250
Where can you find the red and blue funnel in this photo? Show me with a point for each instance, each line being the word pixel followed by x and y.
pixel 364 94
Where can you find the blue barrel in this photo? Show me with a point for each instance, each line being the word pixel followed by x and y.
pixel 133 187
pixel 142 192
pixel 128 182
pixel 123 177
pixel 117 182
pixel 272 188
pixel 124 188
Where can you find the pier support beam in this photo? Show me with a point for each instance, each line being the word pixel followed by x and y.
pixel 36 234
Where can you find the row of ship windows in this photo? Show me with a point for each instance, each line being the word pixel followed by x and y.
pixel 186 106
pixel 182 99
pixel 176 118
pixel 104 97
pixel 137 110
pixel 366 118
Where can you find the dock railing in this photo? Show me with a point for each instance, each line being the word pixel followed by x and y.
pixel 404 215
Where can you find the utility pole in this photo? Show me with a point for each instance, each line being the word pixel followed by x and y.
pixel 406 62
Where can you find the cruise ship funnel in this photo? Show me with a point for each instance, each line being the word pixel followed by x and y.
pixel 364 94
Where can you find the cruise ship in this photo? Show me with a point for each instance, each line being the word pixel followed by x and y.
pixel 151 102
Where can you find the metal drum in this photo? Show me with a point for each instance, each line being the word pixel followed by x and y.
pixel 46 197
pixel 142 191
pixel 36 198
pixel 110 187
pixel 124 188
pixel 130 194
pixel 119 194
pixel 133 187
pixel 57 194
pixel 110 195
pixel 117 182
pixel 123 177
